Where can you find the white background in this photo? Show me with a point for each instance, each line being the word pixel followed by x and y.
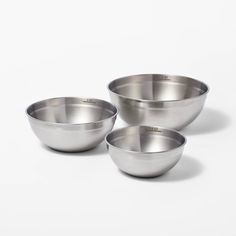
pixel 74 48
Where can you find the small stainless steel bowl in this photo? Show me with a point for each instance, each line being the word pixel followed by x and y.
pixel 145 151
pixel 71 124
pixel 156 99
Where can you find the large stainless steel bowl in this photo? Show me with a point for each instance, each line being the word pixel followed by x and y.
pixel 71 124
pixel 156 99
pixel 145 151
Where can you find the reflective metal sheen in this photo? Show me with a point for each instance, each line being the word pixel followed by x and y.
pixel 157 99
pixel 145 151
pixel 71 124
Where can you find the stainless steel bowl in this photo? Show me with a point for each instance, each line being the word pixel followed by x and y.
pixel 155 99
pixel 71 124
pixel 145 151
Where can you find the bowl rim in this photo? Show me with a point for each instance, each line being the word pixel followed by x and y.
pixel 159 101
pixel 71 124
pixel 150 127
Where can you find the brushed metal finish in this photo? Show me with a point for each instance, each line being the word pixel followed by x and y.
pixel 145 151
pixel 157 99
pixel 71 124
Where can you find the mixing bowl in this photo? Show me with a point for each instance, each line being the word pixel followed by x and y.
pixel 71 124
pixel 145 151
pixel 157 99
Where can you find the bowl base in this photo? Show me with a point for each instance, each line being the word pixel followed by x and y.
pixel 143 176
pixel 72 151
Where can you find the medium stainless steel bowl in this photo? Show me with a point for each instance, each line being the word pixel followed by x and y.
pixel 71 124
pixel 157 99
pixel 145 151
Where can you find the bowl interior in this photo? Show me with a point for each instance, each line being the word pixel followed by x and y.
pixel 71 110
pixel 145 139
pixel 158 87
